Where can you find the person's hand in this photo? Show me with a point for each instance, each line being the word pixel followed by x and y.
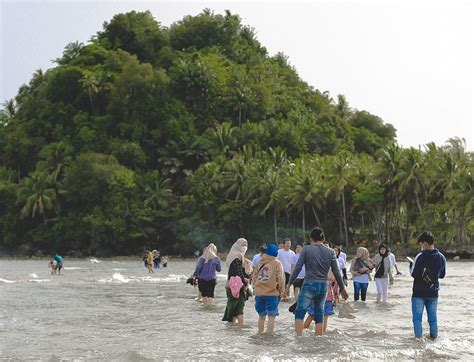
pixel 391 282
pixel 344 294
pixel 286 293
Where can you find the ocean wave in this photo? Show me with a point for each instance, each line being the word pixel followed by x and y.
pixel 94 260
pixel 118 269
pixel 34 275
pixel 72 268
pixel 39 280
pixel 7 281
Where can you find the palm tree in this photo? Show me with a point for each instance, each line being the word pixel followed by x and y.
pixel 339 177
pixel 91 83
pixel 412 178
pixel 158 193
pixel 55 157
pixel 305 189
pixel 36 194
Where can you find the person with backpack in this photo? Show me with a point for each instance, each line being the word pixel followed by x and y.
pixel 428 267
pixel 383 272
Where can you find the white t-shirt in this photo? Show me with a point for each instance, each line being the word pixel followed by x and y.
pixel 302 272
pixel 255 260
pixel 342 264
pixel 287 259
pixel 343 256
pixel 393 261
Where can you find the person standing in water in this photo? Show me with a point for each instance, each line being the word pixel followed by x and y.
pixel 287 258
pixel 207 267
pixel 257 257
pixel 237 282
pixel 300 278
pixel 269 286
pixel 383 272
pixel 317 260
pixel 59 262
pixel 428 267
pixel 156 259
pixel 149 261
pixel 196 275
pixel 361 267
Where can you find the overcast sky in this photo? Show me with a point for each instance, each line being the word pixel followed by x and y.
pixel 409 62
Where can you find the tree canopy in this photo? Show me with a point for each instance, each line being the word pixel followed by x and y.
pixel 183 135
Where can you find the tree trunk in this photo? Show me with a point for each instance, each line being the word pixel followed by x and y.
pixel 275 223
pixel 92 102
pixel 304 227
pixel 344 218
pixel 420 209
pixel 397 205
pixel 316 215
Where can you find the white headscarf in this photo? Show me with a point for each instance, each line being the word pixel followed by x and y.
pixel 210 252
pixel 238 250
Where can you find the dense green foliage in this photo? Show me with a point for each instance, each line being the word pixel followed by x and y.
pixel 185 135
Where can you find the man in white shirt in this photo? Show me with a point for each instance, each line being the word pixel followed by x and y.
pixel 393 262
pixel 287 258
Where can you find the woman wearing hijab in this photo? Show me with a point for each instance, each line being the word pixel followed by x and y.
pixel 207 267
pixel 382 266
pixel 237 281
pixel 361 267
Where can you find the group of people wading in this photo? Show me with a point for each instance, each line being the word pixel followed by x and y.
pixel 318 274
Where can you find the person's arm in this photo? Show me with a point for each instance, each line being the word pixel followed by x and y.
pixel 293 262
pixel 442 272
pixel 241 272
pixel 198 267
pixel 354 272
pixel 335 271
pixel 297 269
pixel 281 280
pixel 417 268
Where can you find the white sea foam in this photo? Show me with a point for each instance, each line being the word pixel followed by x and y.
pixel 72 268
pixel 118 269
pixel 94 260
pixel 120 278
pixel 39 280
pixel 33 275
pixel 7 281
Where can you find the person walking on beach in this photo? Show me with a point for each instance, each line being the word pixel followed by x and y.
pixel 428 267
pixel 361 267
pixel 317 260
pixel 393 262
pixel 257 257
pixel 237 281
pixel 383 272
pixel 300 278
pixel 207 267
pixel 287 258
pixel 269 286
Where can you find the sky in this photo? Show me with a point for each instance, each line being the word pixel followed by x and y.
pixel 408 61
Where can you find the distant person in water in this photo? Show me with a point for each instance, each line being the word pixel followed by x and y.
pixel 59 262
pixel 149 261
pixel 317 260
pixel 361 267
pixel 287 258
pixel 269 286
pixel 144 256
pixel 383 272
pixel 156 259
pixel 300 278
pixel 53 266
pixel 196 275
pixel 240 269
pixel 342 259
pixel 207 267
pixel 428 267
pixel 164 261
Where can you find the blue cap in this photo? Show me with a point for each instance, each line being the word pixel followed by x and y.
pixel 272 250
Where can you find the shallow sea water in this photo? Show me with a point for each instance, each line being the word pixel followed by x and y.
pixel 114 310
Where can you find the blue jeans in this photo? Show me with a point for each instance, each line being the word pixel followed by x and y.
pixel 417 306
pixel 312 292
pixel 362 289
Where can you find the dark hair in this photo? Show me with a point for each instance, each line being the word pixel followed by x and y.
pixel 426 237
pixel 317 234
pixel 263 248
pixel 285 240
pixel 300 244
pixel 387 250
